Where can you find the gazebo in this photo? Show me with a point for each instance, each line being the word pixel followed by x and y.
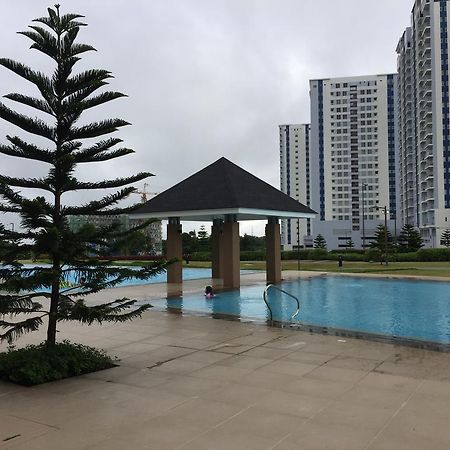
pixel 224 194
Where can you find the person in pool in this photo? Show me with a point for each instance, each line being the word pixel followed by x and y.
pixel 209 292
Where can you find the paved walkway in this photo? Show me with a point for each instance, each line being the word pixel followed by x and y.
pixel 195 383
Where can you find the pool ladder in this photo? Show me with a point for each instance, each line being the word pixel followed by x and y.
pixel 272 286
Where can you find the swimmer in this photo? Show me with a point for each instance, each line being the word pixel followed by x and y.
pixel 209 292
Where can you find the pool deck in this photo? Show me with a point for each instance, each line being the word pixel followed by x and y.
pixel 196 383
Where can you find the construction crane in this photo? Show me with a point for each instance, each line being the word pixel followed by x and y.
pixel 144 193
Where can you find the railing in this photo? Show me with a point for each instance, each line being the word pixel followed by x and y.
pixel 272 286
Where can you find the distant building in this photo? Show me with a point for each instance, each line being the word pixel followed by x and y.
pixel 153 231
pixel 295 181
pixel 424 132
pixel 353 164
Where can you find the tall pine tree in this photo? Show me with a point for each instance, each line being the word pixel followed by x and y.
pixel 409 239
pixel 31 296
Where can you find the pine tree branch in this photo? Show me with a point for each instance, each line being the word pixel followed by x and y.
pixel 103 156
pixel 100 99
pixel 22 149
pixel 96 205
pixel 32 183
pixel 18 329
pixel 33 102
pixel 42 82
pixel 117 183
pixel 44 41
pixel 34 126
pixel 96 129
pixel 84 80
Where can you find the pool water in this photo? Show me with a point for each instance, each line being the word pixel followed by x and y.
pixel 401 308
pixel 188 274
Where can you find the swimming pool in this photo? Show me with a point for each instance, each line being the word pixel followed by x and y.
pixel 418 310
pixel 188 274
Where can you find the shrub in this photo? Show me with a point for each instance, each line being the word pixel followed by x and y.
pixel 201 256
pixel 255 255
pixel 37 364
pixel 433 254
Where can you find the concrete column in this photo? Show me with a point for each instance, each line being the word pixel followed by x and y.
pixel 273 251
pixel 230 249
pixel 175 251
pixel 217 256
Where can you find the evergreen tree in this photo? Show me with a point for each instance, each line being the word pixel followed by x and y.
pixel 409 239
pixel 445 238
pixel 320 242
pixel 30 296
pixel 203 239
pixel 350 244
pixel 383 236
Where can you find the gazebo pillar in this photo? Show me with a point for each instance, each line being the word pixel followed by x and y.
pixel 230 251
pixel 175 251
pixel 216 247
pixel 273 251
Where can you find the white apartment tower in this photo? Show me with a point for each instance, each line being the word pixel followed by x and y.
pixel 353 157
pixel 295 181
pixel 423 109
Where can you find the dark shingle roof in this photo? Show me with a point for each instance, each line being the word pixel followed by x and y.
pixel 222 185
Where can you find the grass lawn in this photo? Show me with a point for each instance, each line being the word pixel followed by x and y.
pixel 430 269
pixel 422 269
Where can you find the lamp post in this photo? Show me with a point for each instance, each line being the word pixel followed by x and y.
pixel 385 235
pixel 364 216
pixel 298 245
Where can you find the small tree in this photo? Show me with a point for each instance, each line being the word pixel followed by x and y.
pixel 445 238
pixel 64 97
pixel 320 242
pixel 383 241
pixel 409 239
pixel 203 239
pixel 350 244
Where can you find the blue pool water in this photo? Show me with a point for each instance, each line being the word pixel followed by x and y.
pixel 188 274
pixel 407 309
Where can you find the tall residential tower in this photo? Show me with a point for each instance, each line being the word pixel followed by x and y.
pixel 353 157
pixel 423 107
pixel 295 181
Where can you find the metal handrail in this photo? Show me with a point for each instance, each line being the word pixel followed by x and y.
pixel 266 290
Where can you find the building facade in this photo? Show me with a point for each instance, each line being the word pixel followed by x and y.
pixel 423 109
pixel 353 156
pixel 153 232
pixel 295 181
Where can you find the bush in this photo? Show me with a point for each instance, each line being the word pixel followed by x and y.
pixel 433 254
pixel 255 255
pixel 37 364
pixel 200 256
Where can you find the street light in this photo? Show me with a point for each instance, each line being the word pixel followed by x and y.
pixel 298 245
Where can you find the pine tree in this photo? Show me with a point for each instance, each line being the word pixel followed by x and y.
pixel 320 242
pixel 203 239
pixel 350 244
pixel 28 296
pixel 445 238
pixel 409 239
pixel 382 237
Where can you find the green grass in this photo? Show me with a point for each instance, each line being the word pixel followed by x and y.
pixel 423 269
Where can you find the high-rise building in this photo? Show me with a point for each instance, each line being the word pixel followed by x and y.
pixel 423 108
pixel 295 181
pixel 353 157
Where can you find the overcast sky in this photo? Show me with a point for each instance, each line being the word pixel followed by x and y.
pixel 209 78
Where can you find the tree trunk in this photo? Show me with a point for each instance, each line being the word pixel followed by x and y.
pixel 53 315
